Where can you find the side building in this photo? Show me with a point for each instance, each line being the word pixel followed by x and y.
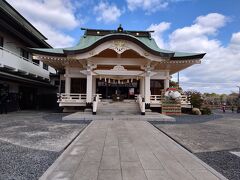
pixel 24 80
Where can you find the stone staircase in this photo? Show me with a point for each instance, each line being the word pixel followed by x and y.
pixel 126 110
pixel 127 107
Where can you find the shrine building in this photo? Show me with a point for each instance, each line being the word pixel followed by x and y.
pixel 115 64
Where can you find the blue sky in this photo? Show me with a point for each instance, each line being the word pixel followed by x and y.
pixel 180 13
pixel 211 26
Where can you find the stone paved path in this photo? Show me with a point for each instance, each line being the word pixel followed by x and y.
pixel 127 150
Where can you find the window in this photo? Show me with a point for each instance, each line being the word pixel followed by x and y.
pixel 36 61
pixel 1 41
pixel 24 53
pixel 156 86
pixel 62 86
pixel 78 85
pixel 45 66
pixel 57 83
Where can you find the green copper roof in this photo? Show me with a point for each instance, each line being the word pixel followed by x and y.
pixel 88 40
pixel 184 54
pixel 50 50
pixel 93 38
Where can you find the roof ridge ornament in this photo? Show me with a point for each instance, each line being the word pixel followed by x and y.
pixel 120 29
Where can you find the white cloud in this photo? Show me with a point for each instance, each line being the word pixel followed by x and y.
pixel 149 6
pixel 158 31
pixel 51 17
pixel 56 38
pixel 60 13
pixel 107 12
pixel 235 42
pixel 219 71
pixel 196 36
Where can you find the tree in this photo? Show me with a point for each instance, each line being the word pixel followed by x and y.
pixel 195 98
pixel 174 85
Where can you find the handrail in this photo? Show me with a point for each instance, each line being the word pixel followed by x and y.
pixel 100 96
pixel 185 99
pixel 157 99
pixel 71 97
pixel 141 103
pixel 21 57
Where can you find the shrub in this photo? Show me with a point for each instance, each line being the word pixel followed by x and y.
pixel 196 111
pixel 206 111
pixel 195 99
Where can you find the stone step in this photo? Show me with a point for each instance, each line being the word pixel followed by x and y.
pixel 118 108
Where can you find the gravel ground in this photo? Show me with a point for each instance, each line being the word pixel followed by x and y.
pixel 224 162
pixel 20 163
pixel 211 138
pixel 30 141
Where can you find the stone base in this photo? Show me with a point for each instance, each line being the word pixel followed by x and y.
pixel 69 110
pixel 147 105
pixel 88 110
pixel 89 105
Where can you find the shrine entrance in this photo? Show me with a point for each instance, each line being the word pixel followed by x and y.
pixel 118 91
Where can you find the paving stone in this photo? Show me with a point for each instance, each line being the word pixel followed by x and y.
pixel 176 171
pixel 128 151
pixel 94 153
pixel 110 158
pixel 149 160
pixel 111 139
pixel 60 175
pixel 157 175
pixel 132 171
pixel 87 171
pixel 203 175
pixel 78 151
pixel 69 163
pixel 109 175
pixel 188 162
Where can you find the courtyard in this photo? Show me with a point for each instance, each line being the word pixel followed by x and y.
pixel 31 141
pixel 211 138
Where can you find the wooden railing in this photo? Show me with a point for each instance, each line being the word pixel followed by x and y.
pixel 72 98
pixel 185 100
pixel 157 99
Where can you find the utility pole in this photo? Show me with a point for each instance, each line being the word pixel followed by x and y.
pixel 179 82
pixel 238 91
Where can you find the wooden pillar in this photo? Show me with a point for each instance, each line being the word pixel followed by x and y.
pixel 94 85
pixel 147 89
pixel 166 81
pixel 89 87
pixel 142 87
pixel 67 81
